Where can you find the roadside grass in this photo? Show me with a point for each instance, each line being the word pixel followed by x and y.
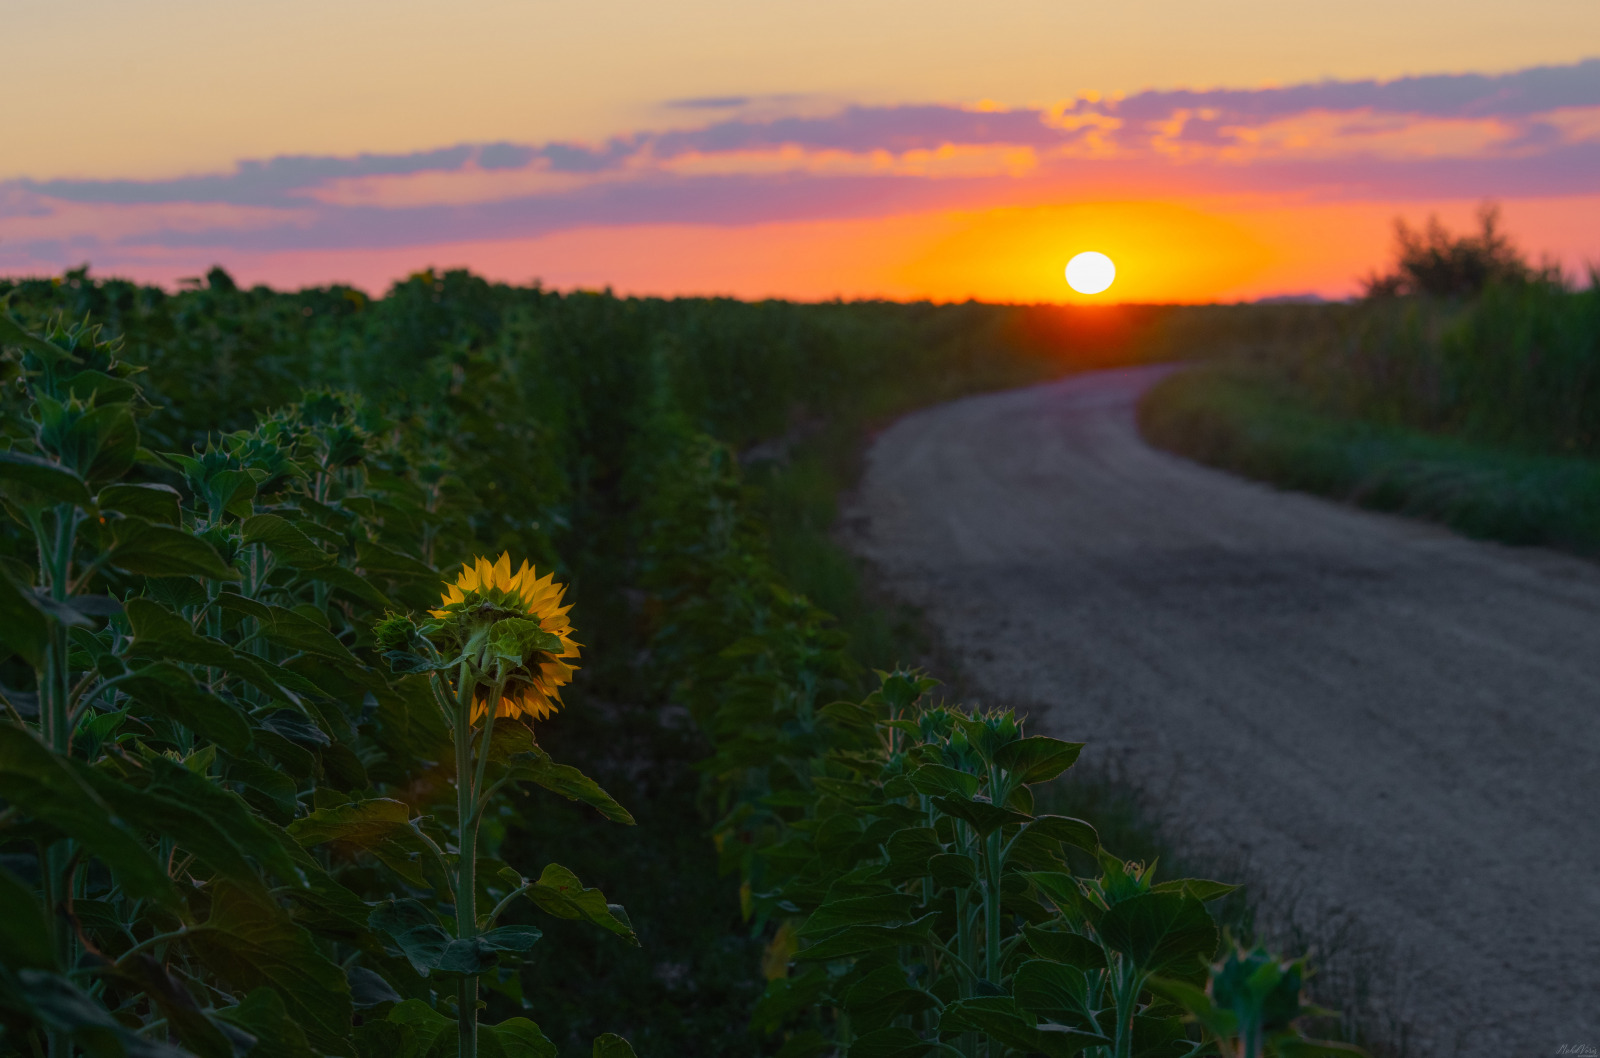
pixel 1250 423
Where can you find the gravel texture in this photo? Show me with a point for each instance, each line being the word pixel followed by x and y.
pixel 1388 731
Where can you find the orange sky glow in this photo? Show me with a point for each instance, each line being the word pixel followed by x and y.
pixel 772 157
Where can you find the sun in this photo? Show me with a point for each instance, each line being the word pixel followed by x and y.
pixel 1090 272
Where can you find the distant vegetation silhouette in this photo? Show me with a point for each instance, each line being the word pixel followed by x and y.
pixel 1432 261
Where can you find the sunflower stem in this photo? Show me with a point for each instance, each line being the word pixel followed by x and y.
pixel 466 866
pixel 480 802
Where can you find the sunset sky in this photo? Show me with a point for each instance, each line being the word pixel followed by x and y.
pixel 1220 151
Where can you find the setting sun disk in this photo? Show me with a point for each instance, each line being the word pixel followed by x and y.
pixel 1090 272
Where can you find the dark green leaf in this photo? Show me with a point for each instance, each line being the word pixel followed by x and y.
pixel 1060 888
pixel 882 995
pixel 12 333
pixel 297 632
pixel 611 1045
pixel 881 909
pixel 982 816
pixel 1074 832
pixel 160 633
pixel 429 1034
pixel 1071 949
pixel 24 624
pixel 425 1027
pixel 1161 933
pixel 163 551
pixel 478 955
pixel 414 929
pixel 55 790
pixel 166 798
pixel 1052 990
pixel 263 1015
pixel 237 603
pixel 894 1042
pixel 294 726
pixel 909 852
pixel 34 481
pixel 285 540
pixel 63 1007
pixel 1202 889
pixel 534 765
pixel 24 931
pixel 1037 758
pixel 171 692
pixel 859 940
pixel 1197 1004
pixel 953 870
pixel 321 904
pixel 368 989
pixel 999 1019
pixel 515 639
pixel 100 443
pixel 197 1032
pixel 229 491
pixel 267 789
pixel 517 1038
pixel 250 945
pixel 152 502
pixel 356 587
pixel 559 892
pixel 376 558
pixel 381 826
pixel 938 780
pixel 785 997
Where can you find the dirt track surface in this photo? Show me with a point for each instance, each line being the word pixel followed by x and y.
pixel 1389 731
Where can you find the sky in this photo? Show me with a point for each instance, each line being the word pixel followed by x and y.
pixel 1221 151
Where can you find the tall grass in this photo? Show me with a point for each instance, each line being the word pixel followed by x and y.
pixel 1483 414
pixel 1518 367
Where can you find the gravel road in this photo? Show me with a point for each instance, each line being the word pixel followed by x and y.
pixel 1390 732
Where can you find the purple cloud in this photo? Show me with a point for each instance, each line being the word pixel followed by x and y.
pixel 638 179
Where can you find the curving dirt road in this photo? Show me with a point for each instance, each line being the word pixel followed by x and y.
pixel 1390 732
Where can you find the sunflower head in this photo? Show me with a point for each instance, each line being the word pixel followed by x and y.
pixel 513 627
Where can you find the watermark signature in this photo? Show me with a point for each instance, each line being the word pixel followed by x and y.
pixel 1579 1050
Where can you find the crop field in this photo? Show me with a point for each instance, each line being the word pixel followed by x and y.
pixel 440 674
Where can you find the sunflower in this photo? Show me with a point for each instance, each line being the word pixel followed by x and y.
pixel 487 593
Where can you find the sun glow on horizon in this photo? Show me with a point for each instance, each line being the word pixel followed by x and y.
pixel 1091 272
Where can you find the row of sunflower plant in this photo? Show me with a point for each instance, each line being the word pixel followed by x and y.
pixel 241 789
pixel 915 901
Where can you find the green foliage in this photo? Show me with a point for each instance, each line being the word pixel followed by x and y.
pixel 1263 429
pixel 278 656
pixel 188 669
pixel 1478 412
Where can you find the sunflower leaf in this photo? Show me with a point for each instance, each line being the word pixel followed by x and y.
pixel 56 790
pixel 163 551
pixel 515 638
pixel 24 625
pixel 160 633
pixel 250 944
pixel 1037 758
pixel 381 826
pixel 34 481
pixel 559 892
pixel 611 1045
pixel 152 502
pixel 168 690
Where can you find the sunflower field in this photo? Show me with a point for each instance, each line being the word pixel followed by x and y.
pixel 343 643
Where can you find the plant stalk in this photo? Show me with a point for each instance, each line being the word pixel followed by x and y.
pixel 466 865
